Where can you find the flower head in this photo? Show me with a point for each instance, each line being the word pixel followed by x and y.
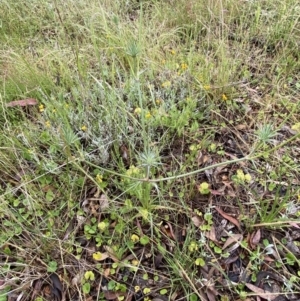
pixel 99 178
pixel 166 84
pixel 134 238
pixel 137 111
pixel 41 108
pixel 184 66
pixel 204 188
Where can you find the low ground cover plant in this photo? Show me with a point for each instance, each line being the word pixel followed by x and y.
pixel 149 150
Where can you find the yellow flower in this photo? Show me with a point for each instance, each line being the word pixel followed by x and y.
pixel 204 188
pixel 240 175
pixel 99 178
pixel 41 108
pixel 135 238
pixel 146 290
pixel 296 127
pixel 206 87
pixel 47 124
pixel 172 51
pixel 166 84
pixel 158 101
pixel 135 262
pixel 193 246
pixel 137 288
pixel 248 178
pixel 184 66
pixel 137 111
pixel 84 128
pixel 102 226
pixel 54 111
pixel 224 97
pixel 132 171
pixel 148 115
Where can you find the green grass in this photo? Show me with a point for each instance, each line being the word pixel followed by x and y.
pixel 164 133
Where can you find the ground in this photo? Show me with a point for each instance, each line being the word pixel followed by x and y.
pixel 149 150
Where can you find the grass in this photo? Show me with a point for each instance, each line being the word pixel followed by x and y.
pixel 160 161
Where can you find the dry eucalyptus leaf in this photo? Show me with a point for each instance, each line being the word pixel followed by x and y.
pixel 196 221
pixel 22 103
pixel 230 218
pixel 261 293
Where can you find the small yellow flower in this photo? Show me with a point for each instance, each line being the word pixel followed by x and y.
pixel 193 147
pixel 134 238
pixel 224 97
pixel 133 170
pixel 84 128
pixel 137 288
pixel 148 115
pixel 166 84
pixel 248 178
pixel 54 111
pixel 135 262
pixel 172 51
pixel 204 188
pixel 206 87
pixel 240 175
pixel 193 246
pixel 41 108
pixel 137 111
pixel 102 226
pixel 99 178
pixel 184 66
pixel 158 101
pixel 47 124
pixel 296 127
pixel 146 290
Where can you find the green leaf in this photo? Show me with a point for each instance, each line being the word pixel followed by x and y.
pixel 3 293
pixel 86 288
pixel 200 262
pixel 52 267
pixel 163 291
pixel 89 275
pixel 144 240
pixel 217 250
pixel 111 285
pixel 193 297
